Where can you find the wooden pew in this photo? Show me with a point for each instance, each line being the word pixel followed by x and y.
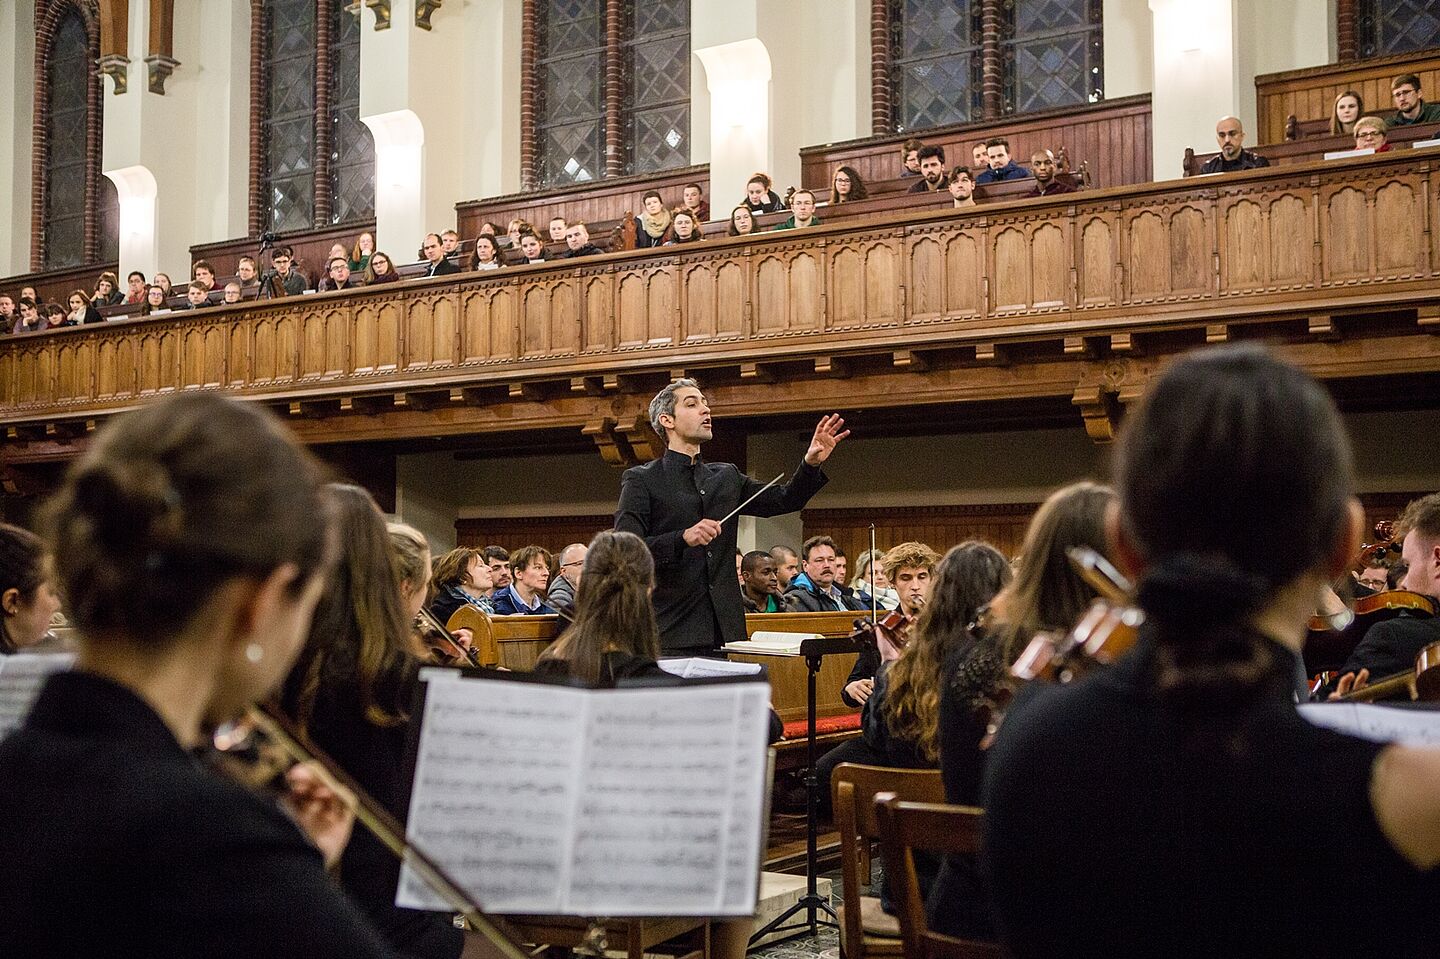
pixel 1309 150
pixel 1311 91
pixel 1298 129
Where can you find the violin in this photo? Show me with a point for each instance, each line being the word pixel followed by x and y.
pixel 441 642
pixel 1105 633
pixel 1420 683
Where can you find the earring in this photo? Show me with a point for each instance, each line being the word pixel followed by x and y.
pixel 254 652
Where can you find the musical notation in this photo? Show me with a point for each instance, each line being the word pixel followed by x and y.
pixel 21 677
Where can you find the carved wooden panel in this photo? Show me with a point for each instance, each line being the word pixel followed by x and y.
pixel 788 287
pixel 1267 243
pixel 864 280
pixel 599 316
pixel 1098 261
pixel 1348 235
pixel 1169 254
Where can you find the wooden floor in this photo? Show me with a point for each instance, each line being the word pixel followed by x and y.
pixel 785 850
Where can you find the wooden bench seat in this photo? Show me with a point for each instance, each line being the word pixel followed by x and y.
pixel 1313 148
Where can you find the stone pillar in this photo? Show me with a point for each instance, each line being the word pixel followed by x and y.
pixel 492 162
pixel 17 104
pixel 1197 78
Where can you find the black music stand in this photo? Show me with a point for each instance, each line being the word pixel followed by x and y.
pixel 813 650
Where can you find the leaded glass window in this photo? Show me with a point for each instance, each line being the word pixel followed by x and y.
pixel 1052 54
pixel 1397 26
pixel 935 62
pixel 352 157
pixel 658 83
pixel 68 113
pixel 290 114
pixel 571 107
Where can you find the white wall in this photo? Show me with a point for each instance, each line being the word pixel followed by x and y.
pixel 17 113
pixel 1129 47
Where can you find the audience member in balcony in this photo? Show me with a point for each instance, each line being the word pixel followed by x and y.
pixel 380 269
pixel 106 292
pixel 683 228
pixel 802 211
pixel 759 196
pixel 997 156
pixel 1370 135
pixel 204 274
pixel 742 221
pixel 154 300
pixel 438 264
pixel 654 221
pixel 909 158
pixel 450 243
pixel 760 584
pixel 7 312
pixel 337 249
pixel 516 227
pixel 197 297
pixel 577 240
pixel 490 228
pixel 82 310
pixel 487 253
pixel 245 272
pixel 932 170
pixel 961 187
pixel 847 185
pixel 693 197
pixel 337 275
pixel 361 252
pixel 1233 155
pixel 787 564
pixel 533 249
pixel 136 287
pixel 286 281
pixel 1348 108
pixel 54 315
pixel 557 229
pixel 869 564
pixel 162 280
pixel 980 155
pixel 1047 179
pixel 529 574
pixel 233 292
pixel 28 293
pixel 1410 106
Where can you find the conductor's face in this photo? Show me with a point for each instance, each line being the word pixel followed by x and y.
pixel 691 422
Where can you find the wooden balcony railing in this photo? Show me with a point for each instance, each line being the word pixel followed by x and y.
pixel 1310 241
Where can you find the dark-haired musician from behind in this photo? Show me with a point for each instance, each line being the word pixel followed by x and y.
pixel 1169 805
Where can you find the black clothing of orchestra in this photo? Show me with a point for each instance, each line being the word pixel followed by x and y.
pixel 118 842
pixel 1247 160
pixel 1391 646
pixel 589 249
pixel 697 596
pixel 1148 828
pixel 867 664
pixel 443 267
pixel 899 753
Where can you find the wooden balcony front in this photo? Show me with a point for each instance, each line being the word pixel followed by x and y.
pixel 1080 295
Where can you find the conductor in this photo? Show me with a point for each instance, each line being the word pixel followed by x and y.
pixel 675 504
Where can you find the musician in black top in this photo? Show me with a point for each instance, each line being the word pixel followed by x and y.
pixel 675 504
pixel 1177 804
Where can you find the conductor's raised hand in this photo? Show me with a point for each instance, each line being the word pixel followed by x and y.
pixel 702 532
pixel 828 434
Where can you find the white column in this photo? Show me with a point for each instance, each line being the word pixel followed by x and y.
pixel 17 109
pixel 492 79
pixel 1129 37
pixel 737 78
pixel 1197 78
pixel 217 42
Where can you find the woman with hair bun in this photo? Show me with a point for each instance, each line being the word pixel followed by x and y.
pixel 1177 803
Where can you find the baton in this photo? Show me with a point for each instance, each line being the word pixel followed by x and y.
pixel 731 515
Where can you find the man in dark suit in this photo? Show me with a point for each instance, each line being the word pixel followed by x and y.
pixel 675 504
pixel 434 250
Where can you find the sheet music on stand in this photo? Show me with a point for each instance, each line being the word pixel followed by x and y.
pixel 21 677
pixel 1376 722
pixel 555 800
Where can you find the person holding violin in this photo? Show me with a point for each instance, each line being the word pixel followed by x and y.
pixel 410 560
pixel 191 544
pixel 915 563
pixel 1169 804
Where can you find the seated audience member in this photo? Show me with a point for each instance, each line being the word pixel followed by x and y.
pixel 82 310
pixel 204 274
pixel 516 227
pixel 28 293
pixel 196 296
pixel 7 313
pixel 1205 770
pixel 760 584
pixel 286 281
pixel 450 243
pixel 1047 179
pixel 54 315
pixel 739 567
pixel 961 187
pixel 1233 155
pixel 245 273
pixel 932 170
pixel 1410 106
pixel 1348 108
pixel 233 292
pixel 910 157
pixel 533 249
pixel 557 229
pixel 380 269
pixel 106 292
pixel 870 564
pixel 337 249
pixel 490 228
pixel 742 222
pixel 498 559
pixel 654 224
pixel 1001 167
pixel 461 579
pixel 529 574
pixel 683 228
pixel 338 276
pixel 759 196
pixel 361 252
pixel 135 287
pixel 1370 135
pixel 29 319
pixel 438 263
pixel 980 158
pixel 802 212
pixel 787 564
pixel 847 185
pixel 842 569
pixel 26 593
pixel 487 253
pixel 162 280
pixel 692 197
pixel 154 301
pixel 577 242
pixel 813 589
pixel 571 564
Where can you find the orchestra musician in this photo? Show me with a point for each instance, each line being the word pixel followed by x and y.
pixel 27 598
pixel 190 544
pixel 1177 803
pixel 410 560
pixel 675 503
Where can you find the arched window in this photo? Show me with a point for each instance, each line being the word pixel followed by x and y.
pixel 1384 27
pixel 601 101
pixel 316 162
